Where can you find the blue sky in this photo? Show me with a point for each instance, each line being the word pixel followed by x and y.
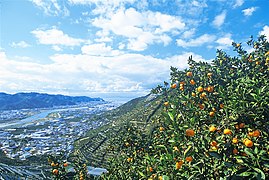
pixel 116 48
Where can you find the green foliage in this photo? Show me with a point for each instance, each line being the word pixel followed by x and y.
pixel 214 123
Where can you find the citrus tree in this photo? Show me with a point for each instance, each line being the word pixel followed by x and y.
pixel 214 123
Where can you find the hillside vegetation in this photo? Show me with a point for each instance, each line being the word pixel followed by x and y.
pixel 209 122
pixel 214 123
pixel 39 100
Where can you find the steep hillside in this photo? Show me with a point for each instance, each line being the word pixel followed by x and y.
pixel 95 147
pixel 38 100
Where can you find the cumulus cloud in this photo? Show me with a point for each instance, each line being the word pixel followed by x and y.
pixel 238 3
pixel 219 20
pixel 224 42
pixel 56 37
pixel 103 6
pixel 140 28
pixel 199 41
pixel 265 31
pixel 249 11
pixel 52 7
pixel 21 44
pixel 87 74
pixel 99 50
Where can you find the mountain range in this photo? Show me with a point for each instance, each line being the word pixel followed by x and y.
pixel 40 100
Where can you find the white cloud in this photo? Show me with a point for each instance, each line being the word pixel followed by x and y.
pixel 87 74
pixel 52 7
pixel 56 48
pixel 249 11
pixel 99 50
pixel 219 19
pixel 203 39
pixel 21 44
pixel 140 28
pixel 188 33
pixel 56 37
pixel 105 7
pixel 265 32
pixel 238 3
pixel 224 42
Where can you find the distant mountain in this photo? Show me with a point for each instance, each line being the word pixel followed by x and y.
pixel 39 100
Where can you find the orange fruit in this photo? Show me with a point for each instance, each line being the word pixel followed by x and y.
pixel 257 62
pixel 210 88
pixel 201 106
pixel 212 128
pixel 211 113
pixel 189 159
pixel 227 131
pixel 181 88
pixel 214 148
pixel 65 164
pixel 129 159
pixel 173 86
pixel 221 106
pixel 193 94
pixel 248 143
pixel 235 151
pixel 161 128
pixel 192 82
pixel 190 132
pixel 53 164
pixel 179 164
pixel 166 104
pixel 256 133
pixel 214 143
pixel 209 75
pixel 55 171
pixel 189 74
pixel 160 178
pixel 238 45
pixel 244 154
pixel 150 169
pixel 203 95
pixel 235 140
pixel 241 125
pixel 200 89
pixel 250 133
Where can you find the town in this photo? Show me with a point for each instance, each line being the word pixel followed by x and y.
pixel 50 134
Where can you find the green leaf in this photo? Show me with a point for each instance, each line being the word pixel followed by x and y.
pixel 170 114
pixel 165 177
pixel 215 154
pixel 245 174
pixel 261 174
pixel 249 152
pixel 141 174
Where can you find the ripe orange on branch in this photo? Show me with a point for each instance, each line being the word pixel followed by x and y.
pixel 200 89
pixel 173 86
pixel 189 74
pixel 212 128
pixel 248 143
pixel 189 159
pixel 190 132
pixel 227 131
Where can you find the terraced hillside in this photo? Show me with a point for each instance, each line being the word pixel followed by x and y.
pixel 95 147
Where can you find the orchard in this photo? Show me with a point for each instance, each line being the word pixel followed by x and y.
pixel 214 123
